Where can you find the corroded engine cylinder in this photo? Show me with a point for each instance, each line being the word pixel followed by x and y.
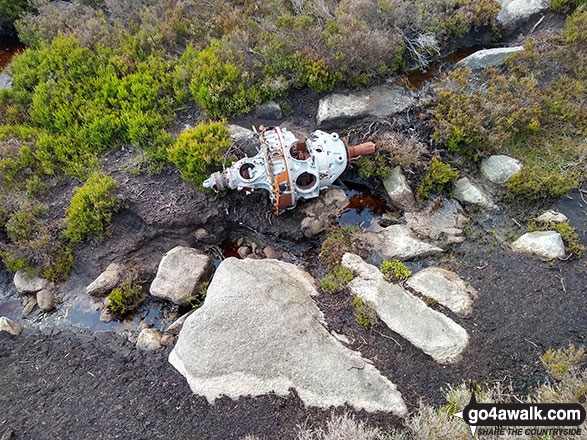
pixel 289 168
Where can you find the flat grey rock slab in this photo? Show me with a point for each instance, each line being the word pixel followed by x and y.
pixel 106 281
pixel 545 244
pixel 397 242
pixel 464 191
pixel 338 109
pixel 432 332
pixel 485 58
pixel 499 168
pixel 517 11
pixel 259 332
pixel 446 287
pixel 182 272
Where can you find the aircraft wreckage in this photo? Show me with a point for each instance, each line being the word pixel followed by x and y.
pixel 290 169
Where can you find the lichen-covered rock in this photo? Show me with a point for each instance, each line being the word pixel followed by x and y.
pixel 259 331
pixel 485 58
pixel 181 273
pixel 339 110
pixel 444 286
pixel 464 191
pixel 398 190
pixel 545 244
pixel 552 217
pixel 149 339
pixel 499 168
pixel 432 332
pixel 105 282
pixel 8 325
pixel 25 283
pixel 396 242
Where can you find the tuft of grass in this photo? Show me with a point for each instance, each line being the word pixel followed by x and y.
pixel 438 178
pixel 127 297
pixel 336 280
pixel 394 270
pixel 364 314
pixel 338 241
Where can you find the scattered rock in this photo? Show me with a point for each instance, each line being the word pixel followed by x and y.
pixel 466 192
pixel 274 324
pixel 106 281
pixel 432 332
pixel 545 244
pixel 439 221
pixel 396 242
pixel 106 315
pixel 181 273
pixel 485 58
pixel 339 110
pixel 272 253
pixel 200 234
pixel 499 168
pixel 319 211
pixel 269 110
pixel 28 284
pixel 398 190
pixel 243 251
pixel 149 339
pixel 29 305
pixel 8 325
pixel 45 300
pixel 167 340
pixel 5 81
pixel 253 257
pixel 515 11
pixel 7 435
pixel 552 217
pixel 176 326
pixel 388 219
pixel 238 133
pixel 446 287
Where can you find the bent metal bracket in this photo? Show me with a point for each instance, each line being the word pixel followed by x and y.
pixel 290 169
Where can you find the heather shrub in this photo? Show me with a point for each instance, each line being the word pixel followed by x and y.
pixel 200 150
pixel 438 178
pixel 91 208
pixel 125 298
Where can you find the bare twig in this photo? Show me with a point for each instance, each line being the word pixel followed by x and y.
pixel 537 24
pixel 388 337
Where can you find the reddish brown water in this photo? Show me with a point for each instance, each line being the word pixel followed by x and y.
pixel 417 78
pixel 363 209
pixel 8 48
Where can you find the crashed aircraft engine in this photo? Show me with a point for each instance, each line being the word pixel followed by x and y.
pixel 289 168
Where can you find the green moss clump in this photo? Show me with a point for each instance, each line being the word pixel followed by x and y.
pixel 199 151
pixel 91 208
pixel 196 299
pixel 127 297
pixel 394 270
pixel 336 280
pixel 438 178
pixel 338 242
pixel 364 314
pixel 535 185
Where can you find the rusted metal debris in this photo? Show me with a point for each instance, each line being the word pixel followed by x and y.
pixel 290 169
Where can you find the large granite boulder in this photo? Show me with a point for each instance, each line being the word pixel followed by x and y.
pixel 259 332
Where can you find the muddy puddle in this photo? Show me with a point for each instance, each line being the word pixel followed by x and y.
pixel 9 47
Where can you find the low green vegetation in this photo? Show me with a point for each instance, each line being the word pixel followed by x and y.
pixel 532 110
pixel 564 6
pixel 200 150
pixel 364 314
pixel 125 298
pixel 338 241
pixel 195 300
pixel 394 270
pixel 91 208
pixel 439 177
pixel 336 280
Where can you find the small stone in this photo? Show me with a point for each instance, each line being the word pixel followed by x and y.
pixel 552 217
pixel 149 339
pixel 547 245
pixel 105 282
pixel 398 189
pixel 466 192
pixel 45 300
pixel 28 284
pixel 253 257
pixel 8 325
pixel 29 305
pixel 499 168
pixel 5 81
pixel 518 11
pixel 143 325
pixel 462 221
pixel 200 234
pixel 106 315
pixel 272 253
pixel 7 435
pixel 238 133
pixel 269 110
pixel 243 251
pixel 388 219
pixel 167 340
